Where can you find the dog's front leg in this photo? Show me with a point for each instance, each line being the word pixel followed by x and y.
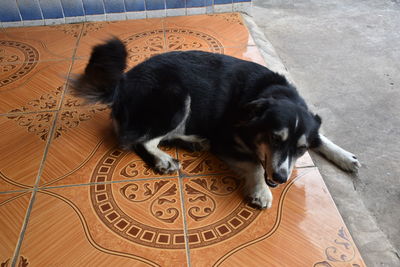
pixel 156 158
pixel 256 189
pixel 344 159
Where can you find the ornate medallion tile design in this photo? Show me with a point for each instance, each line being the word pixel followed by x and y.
pixel 122 224
pixel 49 42
pixel 12 209
pixel 38 89
pixel 12 52
pixel 143 37
pixel 229 28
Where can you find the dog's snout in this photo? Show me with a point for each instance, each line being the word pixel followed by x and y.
pixel 279 177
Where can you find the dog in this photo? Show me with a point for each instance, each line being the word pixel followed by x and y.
pixel 249 116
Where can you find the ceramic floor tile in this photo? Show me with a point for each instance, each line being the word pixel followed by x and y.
pixel 200 163
pixel 22 140
pixel 32 86
pixel 84 150
pixel 215 31
pixel 144 36
pixel 28 44
pixel 303 227
pixel 119 224
pixel 13 207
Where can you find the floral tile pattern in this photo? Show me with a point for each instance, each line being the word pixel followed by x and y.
pixel 62 156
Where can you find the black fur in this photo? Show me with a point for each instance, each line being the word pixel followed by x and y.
pixel 229 97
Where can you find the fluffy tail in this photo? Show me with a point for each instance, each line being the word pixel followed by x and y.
pixel 102 74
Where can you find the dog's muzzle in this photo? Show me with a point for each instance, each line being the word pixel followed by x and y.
pixel 269 182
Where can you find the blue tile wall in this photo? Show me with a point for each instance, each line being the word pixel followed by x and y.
pixel 219 2
pixel 73 8
pixel 9 11
pixel 93 7
pixel 176 3
pixel 29 9
pixel 134 5
pixel 51 9
pixel 114 6
pixel 155 4
pixel 37 10
pixel 195 3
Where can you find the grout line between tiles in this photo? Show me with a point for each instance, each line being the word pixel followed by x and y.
pixel 23 229
pixel 16 191
pixel 41 166
pixel 184 221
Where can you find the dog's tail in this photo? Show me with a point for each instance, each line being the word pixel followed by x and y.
pixel 103 73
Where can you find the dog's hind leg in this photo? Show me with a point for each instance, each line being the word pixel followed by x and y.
pixel 190 143
pixel 342 158
pixel 156 158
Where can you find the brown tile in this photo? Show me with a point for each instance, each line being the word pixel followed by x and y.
pixel 84 150
pixel 32 86
pixel 303 220
pixel 304 161
pixel 141 36
pixel 41 43
pixel 12 209
pixel 217 30
pixel 200 163
pixel 22 140
pixel 136 228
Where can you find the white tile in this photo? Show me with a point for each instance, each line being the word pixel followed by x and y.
pixel 136 15
pixel 242 7
pixel 12 24
pixel 196 10
pixel 36 22
pixel 176 12
pixel 54 21
pixel 115 16
pixel 100 17
pixel 156 13
pixel 74 19
pixel 223 8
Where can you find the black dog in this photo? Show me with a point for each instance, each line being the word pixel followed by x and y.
pixel 248 115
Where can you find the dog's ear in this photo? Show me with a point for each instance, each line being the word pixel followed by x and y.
pixel 259 106
pixel 254 111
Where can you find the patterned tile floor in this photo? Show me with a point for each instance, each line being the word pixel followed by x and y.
pixel 70 197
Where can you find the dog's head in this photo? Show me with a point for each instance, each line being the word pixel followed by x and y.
pixel 282 131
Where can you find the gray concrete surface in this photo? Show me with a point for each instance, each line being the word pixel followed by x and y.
pixel 344 57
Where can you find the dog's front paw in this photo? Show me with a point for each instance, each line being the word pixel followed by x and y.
pixel 166 165
pixel 348 162
pixel 260 197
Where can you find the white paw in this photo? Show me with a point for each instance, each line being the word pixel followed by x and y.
pixel 348 162
pixel 260 196
pixel 166 165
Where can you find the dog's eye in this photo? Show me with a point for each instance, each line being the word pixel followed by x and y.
pixel 301 150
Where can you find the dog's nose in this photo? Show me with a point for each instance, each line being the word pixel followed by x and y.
pixel 280 178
